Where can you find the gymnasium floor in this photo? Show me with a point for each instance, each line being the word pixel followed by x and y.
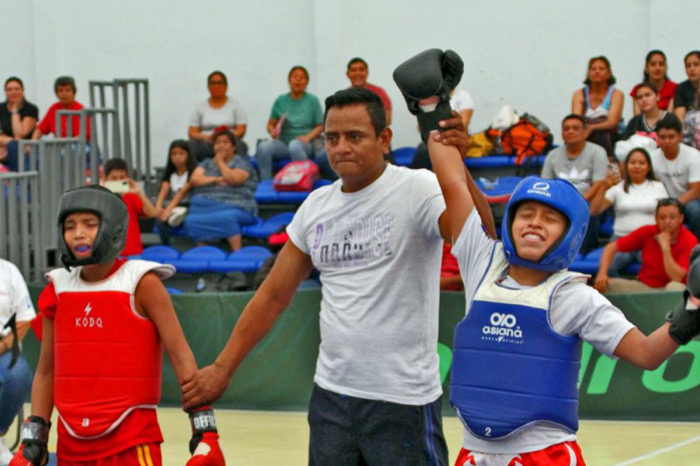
pixel 253 438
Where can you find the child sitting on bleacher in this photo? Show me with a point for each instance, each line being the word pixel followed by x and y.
pixel 174 186
pixel 116 178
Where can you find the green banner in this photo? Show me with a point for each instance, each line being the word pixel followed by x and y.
pixel 278 373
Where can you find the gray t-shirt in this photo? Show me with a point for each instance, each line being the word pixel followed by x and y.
pixel 379 252
pixel 582 171
pixel 207 118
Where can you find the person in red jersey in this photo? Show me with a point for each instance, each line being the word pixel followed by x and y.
pixel 105 323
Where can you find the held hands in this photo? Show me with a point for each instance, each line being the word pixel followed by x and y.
pixel 205 386
pixel 430 73
pixel 453 133
pixel 34 450
pixel 204 444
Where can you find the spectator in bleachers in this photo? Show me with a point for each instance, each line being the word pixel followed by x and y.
pixel 174 188
pixel 223 199
pixel 462 102
pixel 15 382
pixel 357 73
pixel 646 99
pixel 686 92
pixel 691 124
pixel 665 249
pixel 137 203
pixel 601 104
pixel 633 201
pixel 677 166
pixel 295 124
pixel 18 119
pixel 219 109
pixel 656 73
pixel 582 163
pixel 65 90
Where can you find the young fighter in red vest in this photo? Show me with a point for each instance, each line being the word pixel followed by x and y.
pixel 106 321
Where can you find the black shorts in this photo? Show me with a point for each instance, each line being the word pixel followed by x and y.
pixel 355 431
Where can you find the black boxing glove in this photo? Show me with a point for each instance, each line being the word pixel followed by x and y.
pixel 685 319
pixel 430 73
pixel 694 272
pixel 35 437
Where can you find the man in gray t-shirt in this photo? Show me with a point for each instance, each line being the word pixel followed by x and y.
pixel 582 163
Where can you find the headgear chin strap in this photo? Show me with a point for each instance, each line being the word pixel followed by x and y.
pixel 114 220
pixel 562 196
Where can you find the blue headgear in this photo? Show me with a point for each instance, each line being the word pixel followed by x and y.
pixel 562 196
pixel 114 220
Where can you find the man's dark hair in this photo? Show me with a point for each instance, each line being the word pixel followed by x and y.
pixel 670 201
pixel 217 72
pixel 670 121
pixel 362 96
pixel 573 116
pixel 65 81
pixel 115 164
pixel 357 60
pixel 16 79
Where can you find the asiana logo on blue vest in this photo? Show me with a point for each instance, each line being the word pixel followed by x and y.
pixel 503 329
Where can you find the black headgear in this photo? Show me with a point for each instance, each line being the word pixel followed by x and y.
pixel 114 219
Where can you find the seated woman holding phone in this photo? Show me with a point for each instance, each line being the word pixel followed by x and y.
pixel 633 199
pixel 117 180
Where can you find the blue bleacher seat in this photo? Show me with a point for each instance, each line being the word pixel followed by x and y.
pixel 197 259
pixel 268 226
pixel 606 224
pixel 590 263
pixel 499 189
pixel 266 193
pixel 276 164
pixel 160 253
pixel 493 161
pixel 403 155
pixel 247 259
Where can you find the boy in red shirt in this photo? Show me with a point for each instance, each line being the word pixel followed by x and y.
pixel 137 203
pixel 65 90
pixel 105 322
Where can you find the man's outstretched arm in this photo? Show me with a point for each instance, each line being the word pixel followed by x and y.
pixel 209 383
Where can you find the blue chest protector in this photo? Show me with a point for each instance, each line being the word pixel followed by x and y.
pixel 510 368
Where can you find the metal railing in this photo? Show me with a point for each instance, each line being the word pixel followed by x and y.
pixel 130 99
pixel 19 220
pixel 60 165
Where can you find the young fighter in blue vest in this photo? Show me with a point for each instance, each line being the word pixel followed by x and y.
pixel 517 352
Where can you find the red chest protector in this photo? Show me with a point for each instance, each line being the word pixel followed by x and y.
pixel 108 360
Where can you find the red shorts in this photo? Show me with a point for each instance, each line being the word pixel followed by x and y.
pixel 561 454
pixel 147 454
